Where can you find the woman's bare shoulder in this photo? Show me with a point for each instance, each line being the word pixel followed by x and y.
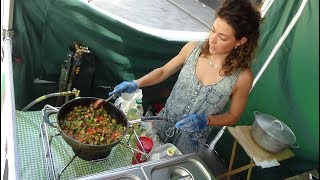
pixel 246 74
pixel 191 44
pixel 245 78
pixel 187 48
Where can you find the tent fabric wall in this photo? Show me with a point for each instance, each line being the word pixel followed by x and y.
pixel 288 89
pixel 45 30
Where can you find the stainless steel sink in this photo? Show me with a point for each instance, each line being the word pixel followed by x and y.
pixel 127 173
pixel 123 177
pixel 188 166
pixel 184 167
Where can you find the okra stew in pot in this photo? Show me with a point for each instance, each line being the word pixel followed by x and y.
pixel 91 133
pixel 91 126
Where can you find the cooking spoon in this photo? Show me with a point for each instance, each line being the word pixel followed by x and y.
pixel 151 118
pixel 100 102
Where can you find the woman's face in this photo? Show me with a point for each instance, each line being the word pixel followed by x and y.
pixel 222 38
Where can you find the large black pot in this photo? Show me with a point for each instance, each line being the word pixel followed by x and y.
pixel 87 151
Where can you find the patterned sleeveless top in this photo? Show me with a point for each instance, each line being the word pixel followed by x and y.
pixel 190 96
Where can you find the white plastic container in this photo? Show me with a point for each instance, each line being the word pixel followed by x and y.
pixel 165 151
pixel 128 100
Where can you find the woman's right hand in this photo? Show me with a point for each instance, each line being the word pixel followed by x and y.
pixel 125 87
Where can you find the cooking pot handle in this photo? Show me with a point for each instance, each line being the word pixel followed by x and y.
pixel 256 113
pixel 46 118
pixel 151 118
pixel 155 118
pixel 277 121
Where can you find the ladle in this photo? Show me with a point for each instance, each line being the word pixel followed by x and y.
pixel 100 102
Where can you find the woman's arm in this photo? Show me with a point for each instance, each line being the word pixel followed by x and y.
pixel 239 100
pixel 174 65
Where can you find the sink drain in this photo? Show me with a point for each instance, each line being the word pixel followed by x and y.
pixel 179 173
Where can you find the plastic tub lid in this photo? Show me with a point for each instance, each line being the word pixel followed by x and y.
pixel 146 142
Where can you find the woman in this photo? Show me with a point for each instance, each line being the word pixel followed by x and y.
pixel 212 72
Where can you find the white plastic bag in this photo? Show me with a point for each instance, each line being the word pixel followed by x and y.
pixel 127 100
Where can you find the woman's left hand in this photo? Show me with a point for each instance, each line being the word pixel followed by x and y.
pixel 192 122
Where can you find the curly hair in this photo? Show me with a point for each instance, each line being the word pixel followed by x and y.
pixel 245 20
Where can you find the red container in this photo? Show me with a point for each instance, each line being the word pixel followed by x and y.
pixel 147 145
pixel 137 159
pixel 146 142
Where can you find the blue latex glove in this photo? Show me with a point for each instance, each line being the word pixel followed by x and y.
pixel 125 87
pixel 192 122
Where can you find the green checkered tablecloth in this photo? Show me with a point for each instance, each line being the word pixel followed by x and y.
pixel 31 155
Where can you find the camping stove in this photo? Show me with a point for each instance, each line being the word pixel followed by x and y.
pixel 51 137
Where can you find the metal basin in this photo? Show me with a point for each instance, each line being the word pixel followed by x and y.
pixel 123 177
pixel 129 173
pixel 188 167
pixel 178 172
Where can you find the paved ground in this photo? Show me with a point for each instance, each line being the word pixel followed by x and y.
pixel 214 4
pixel 180 15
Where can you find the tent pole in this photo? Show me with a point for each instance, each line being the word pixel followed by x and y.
pixel 7 15
pixel 8 114
pixel 280 42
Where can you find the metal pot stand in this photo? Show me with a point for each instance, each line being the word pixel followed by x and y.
pixel 47 136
